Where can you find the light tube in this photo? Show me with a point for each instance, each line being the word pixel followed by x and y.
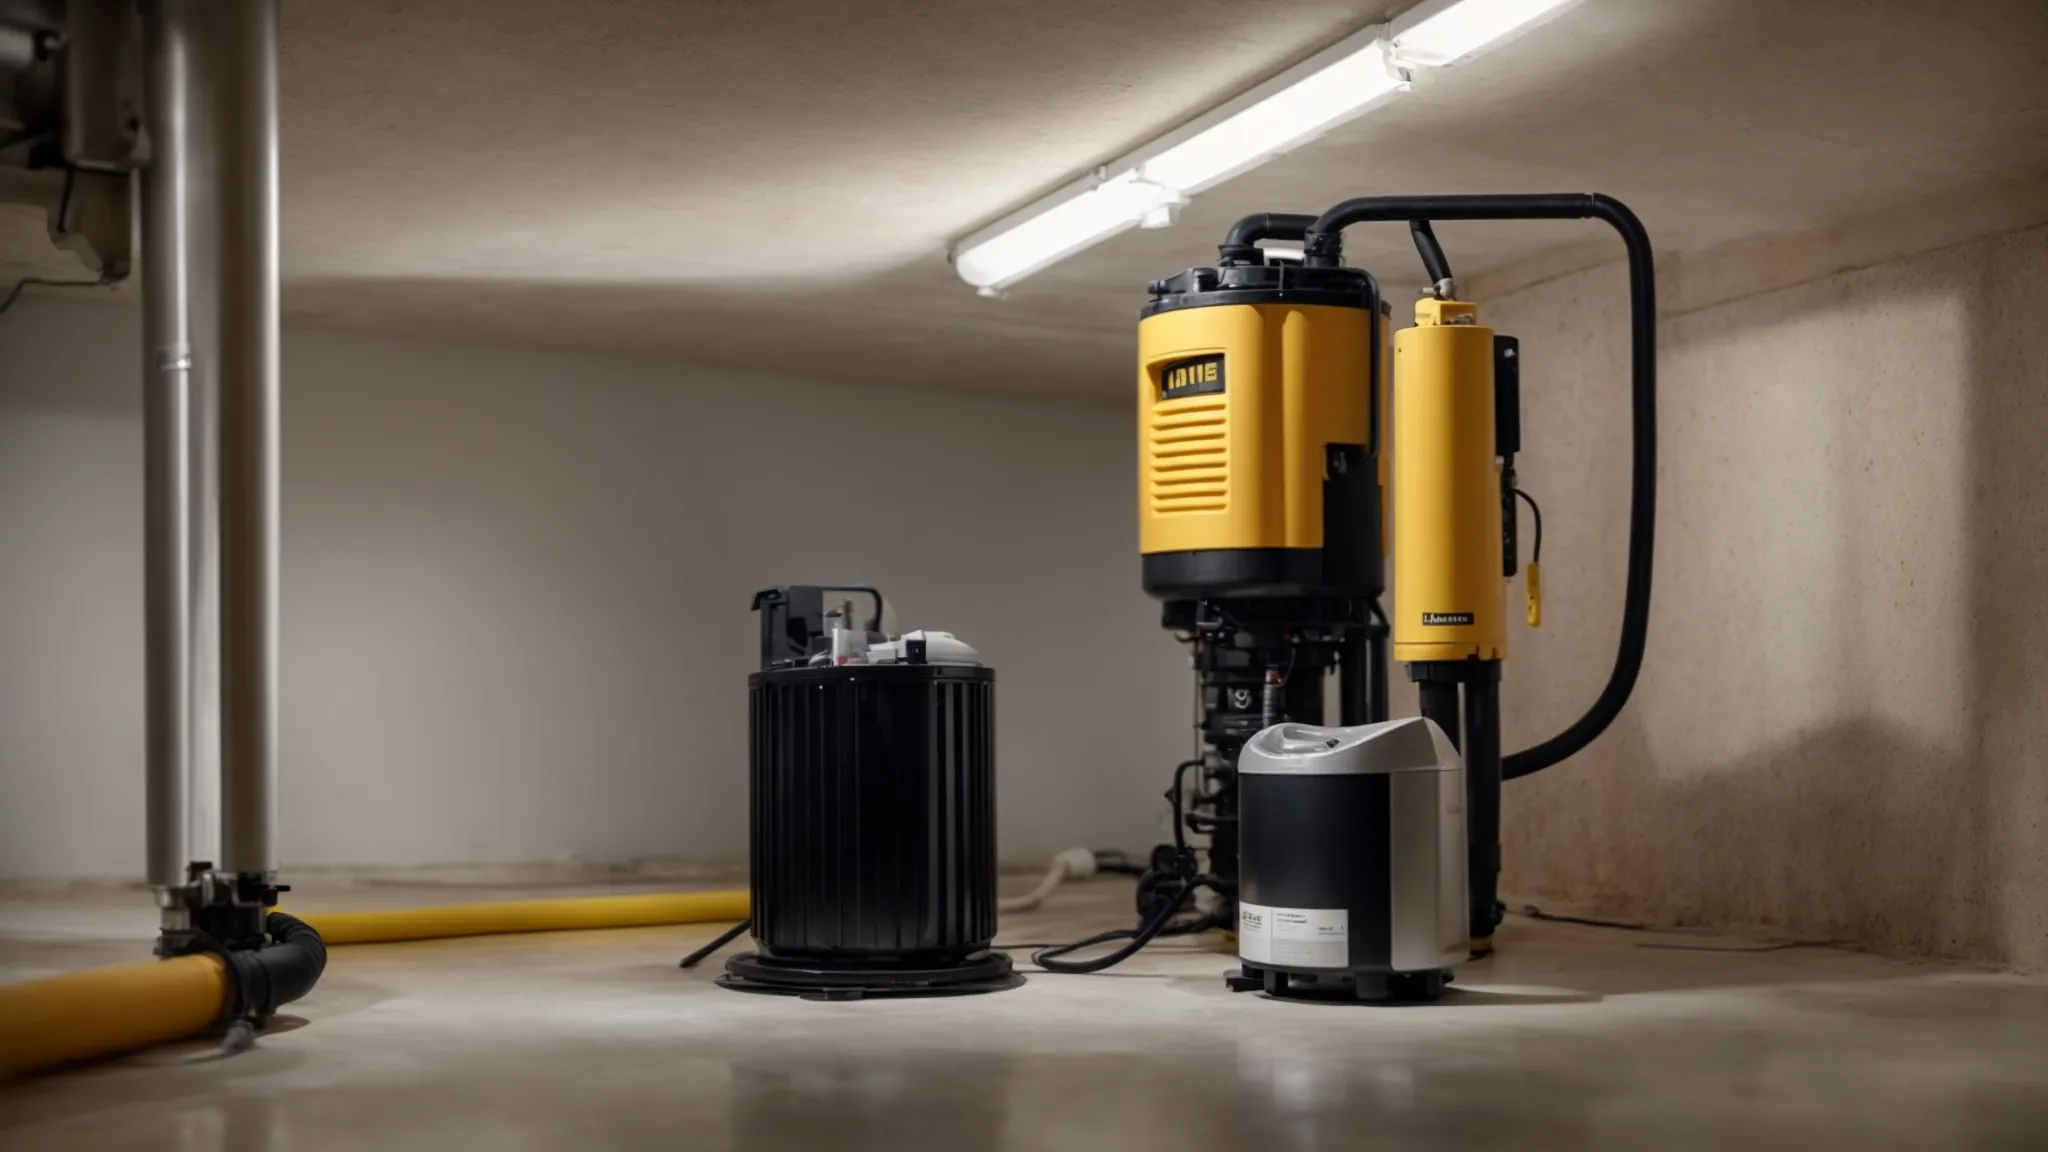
pixel 1300 112
pixel 1146 187
pixel 1439 32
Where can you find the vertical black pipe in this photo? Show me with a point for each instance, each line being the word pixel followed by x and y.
pixel 1482 804
pixel 1302 701
pixel 1378 707
pixel 1440 703
pixel 1354 687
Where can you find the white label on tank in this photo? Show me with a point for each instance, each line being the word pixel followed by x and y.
pixel 1296 937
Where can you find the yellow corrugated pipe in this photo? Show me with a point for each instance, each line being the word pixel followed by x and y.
pixel 81 1015
pixel 392 925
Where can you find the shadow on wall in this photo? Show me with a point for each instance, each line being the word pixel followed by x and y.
pixel 2008 602
pixel 1850 833
pixel 1842 728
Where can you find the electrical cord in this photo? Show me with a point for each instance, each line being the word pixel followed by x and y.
pixel 1157 926
pixel 1072 864
pixel 1535 512
pixel 726 937
pixel 1535 913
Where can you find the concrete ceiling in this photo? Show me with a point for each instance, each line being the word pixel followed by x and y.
pixel 772 183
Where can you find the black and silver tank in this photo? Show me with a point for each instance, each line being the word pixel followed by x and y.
pixel 1352 844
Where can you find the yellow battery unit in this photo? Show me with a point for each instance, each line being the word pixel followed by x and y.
pixel 1450 595
pixel 1239 407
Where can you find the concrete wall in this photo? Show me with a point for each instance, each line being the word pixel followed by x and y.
pixel 515 595
pixel 1842 728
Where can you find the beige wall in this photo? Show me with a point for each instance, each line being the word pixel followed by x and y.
pixel 1841 730
pixel 515 595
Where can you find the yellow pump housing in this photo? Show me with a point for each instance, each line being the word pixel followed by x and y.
pixel 1237 403
pixel 1450 594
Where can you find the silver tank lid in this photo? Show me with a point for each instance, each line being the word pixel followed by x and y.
pixel 1410 745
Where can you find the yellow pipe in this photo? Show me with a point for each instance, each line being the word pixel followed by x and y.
pixel 570 914
pixel 64 1019
pixel 80 1015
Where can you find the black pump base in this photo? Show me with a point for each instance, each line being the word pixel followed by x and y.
pixel 1412 986
pixel 811 980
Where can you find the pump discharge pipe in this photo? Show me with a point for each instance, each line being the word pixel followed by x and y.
pixel 49 1023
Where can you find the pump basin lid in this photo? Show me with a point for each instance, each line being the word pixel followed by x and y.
pixel 1410 745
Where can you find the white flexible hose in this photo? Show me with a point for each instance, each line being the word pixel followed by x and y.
pixel 1073 864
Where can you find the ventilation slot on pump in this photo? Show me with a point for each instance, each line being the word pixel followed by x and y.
pixel 1190 457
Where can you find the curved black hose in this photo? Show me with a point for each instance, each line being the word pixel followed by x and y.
pixel 1324 245
pixel 1433 259
pixel 1268 226
pixel 279 972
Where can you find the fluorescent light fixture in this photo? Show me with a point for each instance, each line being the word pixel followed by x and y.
pixel 1439 32
pixel 1305 108
pixel 1146 187
pixel 1090 214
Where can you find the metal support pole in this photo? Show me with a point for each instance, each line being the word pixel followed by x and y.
pixel 167 464
pixel 101 125
pixel 243 39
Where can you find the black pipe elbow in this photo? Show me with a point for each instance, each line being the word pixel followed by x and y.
pixel 1269 226
pixel 278 973
pixel 1241 244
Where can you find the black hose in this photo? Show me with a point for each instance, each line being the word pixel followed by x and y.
pixel 1324 246
pixel 1268 226
pixel 1433 259
pixel 277 973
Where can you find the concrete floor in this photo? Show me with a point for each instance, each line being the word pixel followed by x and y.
pixel 1572 1037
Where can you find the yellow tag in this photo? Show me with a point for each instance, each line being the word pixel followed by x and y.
pixel 1535 579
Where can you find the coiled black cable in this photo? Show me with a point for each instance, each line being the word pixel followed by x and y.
pixel 1157 926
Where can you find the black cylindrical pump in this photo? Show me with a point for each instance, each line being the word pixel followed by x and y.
pixel 871 785
pixel 873 812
